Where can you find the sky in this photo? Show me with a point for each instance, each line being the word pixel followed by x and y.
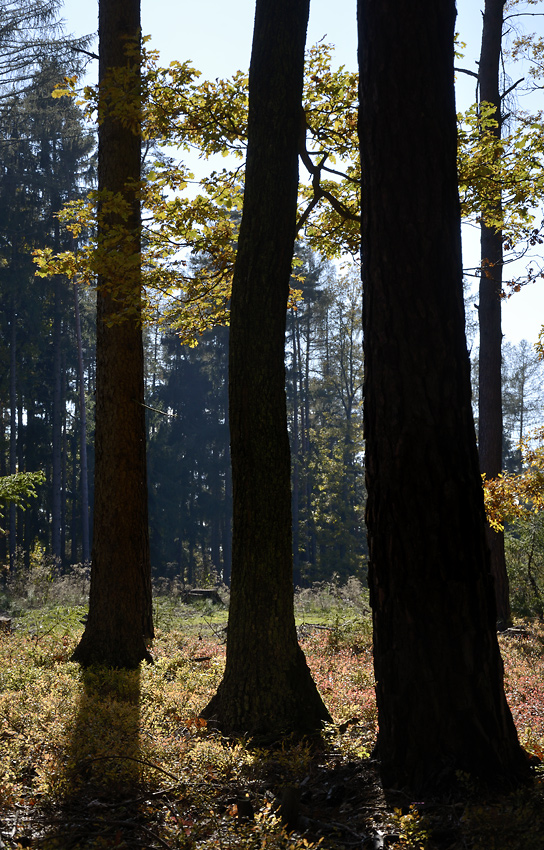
pixel 216 37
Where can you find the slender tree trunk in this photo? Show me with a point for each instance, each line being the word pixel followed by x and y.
pixel 120 616
pixel 20 522
pixel 85 550
pixel 267 688
pixel 227 528
pixel 3 471
pixel 74 513
pixel 439 673
pixel 296 457
pixel 12 430
pixel 490 428
pixel 64 470
pixel 56 419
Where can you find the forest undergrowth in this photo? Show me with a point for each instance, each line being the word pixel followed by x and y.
pixel 116 759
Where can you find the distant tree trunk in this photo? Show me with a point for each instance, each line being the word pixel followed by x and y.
pixel 56 420
pixel 296 457
pixel 64 470
pixel 12 429
pixel 227 524
pixel 120 616
pixel 84 470
pixel 267 688
pixel 439 674
pixel 3 471
pixel 490 428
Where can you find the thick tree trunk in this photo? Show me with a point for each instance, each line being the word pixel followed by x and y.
pixel 490 358
pixel 267 688
pixel 120 598
pixel 439 673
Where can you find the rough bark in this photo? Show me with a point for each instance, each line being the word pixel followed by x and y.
pixel 267 688
pixel 440 695
pixel 120 597
pixel 490 360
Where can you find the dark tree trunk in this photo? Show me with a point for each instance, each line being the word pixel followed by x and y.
pixel 120 617
pixel 296 456
pixel 12 429
pixel 56 420
pixel 267 688
pixel 227 524
pixel 441 702
pixel 489 311
pixel 84 473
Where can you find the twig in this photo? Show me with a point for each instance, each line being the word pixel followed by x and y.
pixel 132 758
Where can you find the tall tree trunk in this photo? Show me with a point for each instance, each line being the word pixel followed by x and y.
pixel 56 420
pixel 120 616
pixel 84 470
pixel 296 456
pixel 12 429
pixel 439 673
pixel 227 523
pixel 490 361
pixel 267 687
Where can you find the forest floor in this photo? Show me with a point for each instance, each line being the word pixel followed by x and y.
pixel 106 759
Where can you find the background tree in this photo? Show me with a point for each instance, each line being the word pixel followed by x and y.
pixel 324 381
pixel 267 687
pixel 522 395
pixel 440 695
pixel 120 614
pixel 490 430
pixel 189 460
pixel 46 160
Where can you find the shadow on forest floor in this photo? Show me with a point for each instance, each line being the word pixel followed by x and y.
pixel 115 759
pixel 101 787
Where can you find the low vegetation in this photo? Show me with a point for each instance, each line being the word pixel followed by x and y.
pixel 121 759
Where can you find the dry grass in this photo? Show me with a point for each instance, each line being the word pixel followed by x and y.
pixel 118 759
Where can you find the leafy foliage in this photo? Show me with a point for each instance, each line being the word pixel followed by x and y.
pixel 509 496
pixel 18 488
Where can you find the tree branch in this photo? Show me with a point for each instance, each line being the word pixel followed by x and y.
pixel 466 71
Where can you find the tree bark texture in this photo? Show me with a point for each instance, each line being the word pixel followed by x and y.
pixel 440 696
pixel 120 617
pixel 490 428
pixel 267 688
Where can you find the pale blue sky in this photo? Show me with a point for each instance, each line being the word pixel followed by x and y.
pixel 216 37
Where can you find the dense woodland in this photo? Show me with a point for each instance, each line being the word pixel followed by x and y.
pixel 48 344
pixel 190 398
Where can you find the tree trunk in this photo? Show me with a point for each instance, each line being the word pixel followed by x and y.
pixel 120 617
pixel 56 419
pixel 267 688
pixel 12 429
pixel 490 360
pixel 296 456
pixel 84 469
pixel 439 673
